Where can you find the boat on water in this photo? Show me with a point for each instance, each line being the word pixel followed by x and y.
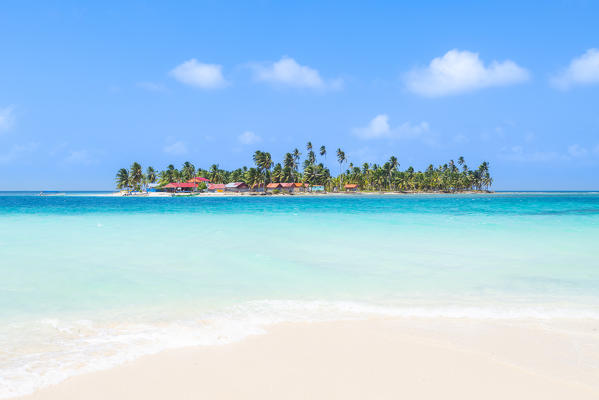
pixel 52 194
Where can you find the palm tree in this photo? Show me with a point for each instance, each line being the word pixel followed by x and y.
pixel 135 175
pixel 188 171
pixel 323 152
pixel 151 175
pixel 171 174
pixel 252 177
pixel 289 167
pixel 122 179
pixel 340 159
pixel 309 146
pixel 296 157
pixel 313 173
pixel 445 177
pixel 266 164
pixel 393 164
pixel 263 161
pixel 277 173
pixel 215 175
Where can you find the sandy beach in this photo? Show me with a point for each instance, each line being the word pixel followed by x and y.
pixel 376 359
pixel 258 194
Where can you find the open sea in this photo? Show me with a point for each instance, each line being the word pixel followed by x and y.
pixel 89 282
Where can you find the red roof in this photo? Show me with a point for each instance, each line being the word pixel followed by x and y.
pixel 351 186
pixel 198 179
pixel 300 184
pixel 287 185
pixel 180 185
pixel 214 186
pixel 273 185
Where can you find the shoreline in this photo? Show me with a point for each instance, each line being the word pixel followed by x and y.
pixel 427 358
pixel 322 195
pixel 257 194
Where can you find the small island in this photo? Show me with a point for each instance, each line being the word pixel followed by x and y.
pixel 268 177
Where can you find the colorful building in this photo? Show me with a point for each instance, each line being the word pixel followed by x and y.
pixel 216 187
pixel 236 187
pixel 180 187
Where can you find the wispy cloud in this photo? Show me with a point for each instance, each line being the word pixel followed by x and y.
pixel 7 118
pixel 460 138
pixel 583 70
pixel 520 154
pixel 81 157
pixel 176 148
pixel 577 151
pixel 151 86
pixel 288 72
pixel 201 75
pixel 573 152
pixel 379 128
pixel 248 137
pixel 462 71
pixel 17 151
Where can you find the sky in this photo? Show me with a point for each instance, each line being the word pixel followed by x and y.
pixel 87 88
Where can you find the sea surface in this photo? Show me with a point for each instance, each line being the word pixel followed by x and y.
pixel 89 282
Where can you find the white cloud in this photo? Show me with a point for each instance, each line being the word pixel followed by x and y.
pixel 248 137
pixel 462 71
pixel 7 118
pixel 151 86
pixel 379 128
pixel 288 72
pixel 176 148
pixel 577 151
pixel 583 70
pixel 194 73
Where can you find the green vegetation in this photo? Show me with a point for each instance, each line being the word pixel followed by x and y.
pixel 449 177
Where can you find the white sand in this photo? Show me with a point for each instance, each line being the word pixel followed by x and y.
pixel 374 359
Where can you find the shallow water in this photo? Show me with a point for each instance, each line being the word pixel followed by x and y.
pixel 88 282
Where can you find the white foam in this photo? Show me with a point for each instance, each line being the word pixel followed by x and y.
pixel 66 348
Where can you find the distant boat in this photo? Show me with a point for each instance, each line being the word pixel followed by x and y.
pixel 52 194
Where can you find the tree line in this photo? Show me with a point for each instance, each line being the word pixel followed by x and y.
pixel 448 177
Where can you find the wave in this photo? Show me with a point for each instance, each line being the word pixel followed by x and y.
pixel 66 348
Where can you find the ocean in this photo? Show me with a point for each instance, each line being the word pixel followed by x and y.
pixel 89 282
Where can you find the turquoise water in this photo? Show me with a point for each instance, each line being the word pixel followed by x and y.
pixel 89 282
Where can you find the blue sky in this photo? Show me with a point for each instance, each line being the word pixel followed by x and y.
pixel 88 87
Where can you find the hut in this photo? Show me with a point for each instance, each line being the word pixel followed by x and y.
pixel 216 187
pixel 273 186
pixel 236 187
pixel 199 179
pixel 351 187
pixel 180 187
pixel 287 187
pixel 299 187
